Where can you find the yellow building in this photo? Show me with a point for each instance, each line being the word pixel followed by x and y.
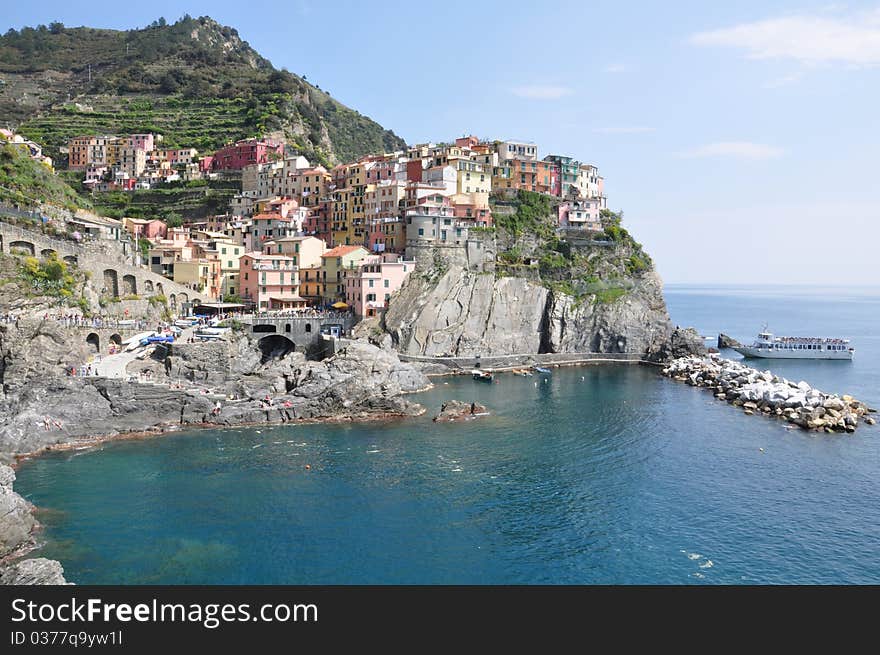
pixel 473 177
pixel 305 251
pixel 201 275
pixel 228 253
pixel 339 222
pixel 355 183
pixel 311 287
pixel 334 263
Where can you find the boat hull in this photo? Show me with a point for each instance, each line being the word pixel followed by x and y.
pixel 765 353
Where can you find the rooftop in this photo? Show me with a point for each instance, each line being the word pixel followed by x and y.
pixel 341 251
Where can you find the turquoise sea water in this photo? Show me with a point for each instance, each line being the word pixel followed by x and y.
pixel 605 474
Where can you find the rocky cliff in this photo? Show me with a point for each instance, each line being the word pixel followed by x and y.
pixel 361 381
pixel 17 527
pixel 544 291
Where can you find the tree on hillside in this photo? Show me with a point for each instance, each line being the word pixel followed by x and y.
pixel 56 27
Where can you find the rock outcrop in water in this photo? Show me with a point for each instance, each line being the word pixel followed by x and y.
pixel 456 410
pixel 725 341
pixel 761 392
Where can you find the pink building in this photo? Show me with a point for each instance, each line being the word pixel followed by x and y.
pixel 141 141
pixel 369 285
pixel 246 153
pixel 583 214
pixel 142 228
pixel 472 207
pixel 269 281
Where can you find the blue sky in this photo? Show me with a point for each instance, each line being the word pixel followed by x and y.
pixel 741 140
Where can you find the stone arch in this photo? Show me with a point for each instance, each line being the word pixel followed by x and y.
pixel 160 290
pixel 148 286
pixel 116 338
pixel 111 282
pixel 275 346
pixel 48 252
pixel 129 285
pixel 70 259
pixel 264 327
pixel 308 327
pixel 27 246
pixel 94 341
pixel 172 301
pixel 182 298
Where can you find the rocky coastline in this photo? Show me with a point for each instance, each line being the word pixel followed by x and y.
pixel 763 393
pixel 18 530
pixel 214 384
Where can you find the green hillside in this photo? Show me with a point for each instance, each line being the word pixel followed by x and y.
pixel 194 81
pixel 26 183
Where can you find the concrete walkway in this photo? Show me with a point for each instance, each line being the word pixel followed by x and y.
pixel 114 366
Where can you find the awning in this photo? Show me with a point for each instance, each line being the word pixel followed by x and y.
pixel 339 305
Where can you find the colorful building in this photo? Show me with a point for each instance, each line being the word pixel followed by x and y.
pixel 202 275
pixel 334 263
pixel 369 285
pixel 306 251
pixel 270 282
pixel 246 153
pixel 583 214
pixel 143 228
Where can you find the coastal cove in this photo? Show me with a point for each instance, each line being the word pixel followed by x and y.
pixel 636 479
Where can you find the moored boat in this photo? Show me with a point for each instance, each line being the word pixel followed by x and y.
pixel 768 346
pixel 482 376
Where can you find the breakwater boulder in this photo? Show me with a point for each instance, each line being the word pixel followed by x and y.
pixel 762 392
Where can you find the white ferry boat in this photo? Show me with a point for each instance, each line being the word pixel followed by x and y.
pixel 768 346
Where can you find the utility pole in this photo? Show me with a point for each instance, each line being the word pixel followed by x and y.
pixel 90 73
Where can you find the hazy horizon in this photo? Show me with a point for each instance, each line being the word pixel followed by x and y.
pixel 739 140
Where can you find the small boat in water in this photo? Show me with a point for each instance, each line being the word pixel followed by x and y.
pixel 524 372
pixel 482 376
pixel 541 369
pixel 769 347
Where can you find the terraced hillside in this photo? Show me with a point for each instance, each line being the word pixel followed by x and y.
pixel 194 81
pixel 202 124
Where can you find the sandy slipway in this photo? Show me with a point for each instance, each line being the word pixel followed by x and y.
pixel 762 392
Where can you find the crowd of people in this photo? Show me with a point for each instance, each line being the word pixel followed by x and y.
pixel 305 312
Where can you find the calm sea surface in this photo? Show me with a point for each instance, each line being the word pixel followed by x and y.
pixel 600 475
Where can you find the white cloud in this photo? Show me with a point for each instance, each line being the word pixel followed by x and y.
pixel 616 68
pixel 623 130
pixel 852 39
pixel 735 149
pixel 539 92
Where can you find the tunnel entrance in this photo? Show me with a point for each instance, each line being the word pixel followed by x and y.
pixel 275 346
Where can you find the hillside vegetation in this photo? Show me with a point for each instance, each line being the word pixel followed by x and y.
pixel 194 81
pixel 597 267
pixel 25 182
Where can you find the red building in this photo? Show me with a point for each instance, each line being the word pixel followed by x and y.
pixel 317 221
pixel 246 153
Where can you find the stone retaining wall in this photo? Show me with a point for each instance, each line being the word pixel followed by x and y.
pixel 456 364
